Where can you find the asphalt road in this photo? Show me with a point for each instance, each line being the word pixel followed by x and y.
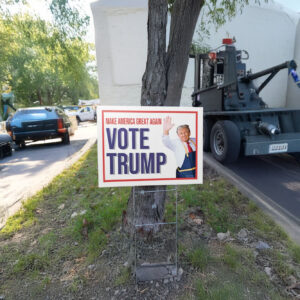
pixel 28 170
pixel 273 181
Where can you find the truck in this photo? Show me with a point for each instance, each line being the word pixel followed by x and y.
pixel 86 113
pixel 236 120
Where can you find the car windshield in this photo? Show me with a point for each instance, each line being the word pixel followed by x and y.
pixel 31 114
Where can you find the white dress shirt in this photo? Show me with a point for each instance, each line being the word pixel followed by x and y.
pixel 178 147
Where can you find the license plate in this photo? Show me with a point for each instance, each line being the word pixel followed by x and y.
pixel 277 148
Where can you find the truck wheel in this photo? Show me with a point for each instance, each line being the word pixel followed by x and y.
pixel 225 141
pixel 207 126
pixel 66 138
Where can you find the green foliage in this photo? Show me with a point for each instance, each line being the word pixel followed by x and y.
pixel 199 257
pixel 44 65
pixel 31 262
pixel 123 277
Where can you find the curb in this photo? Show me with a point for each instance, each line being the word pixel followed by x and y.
pixel 279 215
pixel 61 166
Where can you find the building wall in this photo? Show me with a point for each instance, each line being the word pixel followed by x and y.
pixel 293 95
pixel 121 49
pixel 266 32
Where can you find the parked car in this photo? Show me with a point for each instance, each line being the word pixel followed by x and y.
pixel 5 145
pixel 86 113
pixel 38 123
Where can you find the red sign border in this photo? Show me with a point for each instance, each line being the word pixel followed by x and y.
pixel 147 111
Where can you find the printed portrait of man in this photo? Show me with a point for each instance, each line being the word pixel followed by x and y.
pixel 183 147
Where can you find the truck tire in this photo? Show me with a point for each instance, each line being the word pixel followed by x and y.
pixel 66 138
pixel 225 141
pixel 207 126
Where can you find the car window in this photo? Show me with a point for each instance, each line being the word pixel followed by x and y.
pixel 88 109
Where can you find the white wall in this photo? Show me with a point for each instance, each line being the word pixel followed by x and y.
pixel 121 48
pixel 293 95
pixel 266 32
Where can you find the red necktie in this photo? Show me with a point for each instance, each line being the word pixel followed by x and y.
pixel 189 147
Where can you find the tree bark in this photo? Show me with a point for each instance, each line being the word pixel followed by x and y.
pixel 154 78
pixel 162 85
pixel 149 206
pixel 184 18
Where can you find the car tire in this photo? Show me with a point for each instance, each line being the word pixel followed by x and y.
pixel 1 153
pixel 66 138
pixel 225 141
pixel 78 120
pixel 9 153
pixel 207 126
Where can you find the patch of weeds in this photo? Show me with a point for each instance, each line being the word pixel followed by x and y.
pixel 31 262
pixel 219 291
pixel 295 249
pixel 77 284
pixel 48 241
pixel 280 265
pixel 97 242
pixel 232 257
pixel 265 227
pixel 46 281
pixel 123 277
pixel 199 257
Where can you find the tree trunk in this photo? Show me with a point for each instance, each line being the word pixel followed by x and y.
pixel 184 18
pixel 162 85
pixel 154 79
pixel 39 96
pixel 149 206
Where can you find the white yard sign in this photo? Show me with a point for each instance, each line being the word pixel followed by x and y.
pixel 149 145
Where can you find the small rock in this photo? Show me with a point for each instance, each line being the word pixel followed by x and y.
pixel 291 280
pixel 166 281
pixel 180 271
pixel 91 267
pixel 126 264
pixel 117 292
pixel 157 284
pixel 262 246
pixel 255 253
pixel 76 244
pixel 171 279
pixel 268 271
pixel 62 206
pixel 223 236
pixel 124 290
pixel 242 235
pixel 83 212
pixel 198 221
pixel 74 214
pixel 151 282
pixel 107 289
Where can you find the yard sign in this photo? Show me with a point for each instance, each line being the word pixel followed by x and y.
pixel 132 149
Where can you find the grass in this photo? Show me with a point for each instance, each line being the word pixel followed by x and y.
pixel 199 257
pixel 228 272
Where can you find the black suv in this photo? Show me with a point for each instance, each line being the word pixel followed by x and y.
pixel 38 123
